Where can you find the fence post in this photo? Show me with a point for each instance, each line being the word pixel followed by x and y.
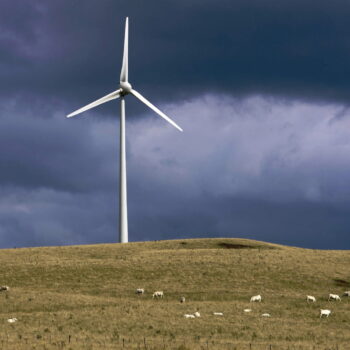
pixel 144 342
pixel 250 346
pixel 123 342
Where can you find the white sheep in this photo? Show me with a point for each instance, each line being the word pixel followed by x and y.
pixel 325 312
pixel 182 299
pixel 256 298
pixel 310 298
pixel 334 297
pixel 247 310
pixel 158 294
pixel 4 288
pixel 140 291
pixel 12 320
pixel 189 316
pixel 218 314
pixel 265 315
pixel 197 314
pixel 347 293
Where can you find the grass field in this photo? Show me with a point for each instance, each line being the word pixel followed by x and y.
pixel 83 297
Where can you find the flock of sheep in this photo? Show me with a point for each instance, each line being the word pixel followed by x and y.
pixel 255 298
pixel 309 298
pixel 336 297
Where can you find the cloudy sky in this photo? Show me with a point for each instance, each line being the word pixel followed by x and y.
pixel 261 89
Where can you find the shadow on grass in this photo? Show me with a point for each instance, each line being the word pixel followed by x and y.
pixel 241 246
pixel 341 283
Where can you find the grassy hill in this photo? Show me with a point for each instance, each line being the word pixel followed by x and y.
pixel 83 297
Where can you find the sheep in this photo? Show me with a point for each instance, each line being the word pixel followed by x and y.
pixel 266 315
pixel 140 291
pixel 334 297
pixel 347 293
pixel 4 288
pixel 182 299
pixel 218 314
pixel 158 294
pixel 12 320
pixel 256 298
pixel 189 316
pixel 247 310
pixel 197 314
pixel 325 312
pixel 310 298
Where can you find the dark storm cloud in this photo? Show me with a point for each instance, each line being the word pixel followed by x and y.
pixel 47 153
pixel 258 168
pixel 72 50
pixel 58 179
pixel 48 217
pixel 260 88
pixel 299 223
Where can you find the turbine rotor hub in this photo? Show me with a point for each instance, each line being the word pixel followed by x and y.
pixel 126 87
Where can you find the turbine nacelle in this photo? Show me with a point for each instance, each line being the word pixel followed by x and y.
pixel 125 87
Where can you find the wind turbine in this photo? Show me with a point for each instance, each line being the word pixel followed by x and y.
pixel 125 88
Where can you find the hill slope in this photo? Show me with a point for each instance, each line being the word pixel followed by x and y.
pixel 88 293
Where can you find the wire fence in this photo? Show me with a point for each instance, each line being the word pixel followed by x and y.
pixel 70 342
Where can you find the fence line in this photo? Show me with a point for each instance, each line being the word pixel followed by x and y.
pixel 48 342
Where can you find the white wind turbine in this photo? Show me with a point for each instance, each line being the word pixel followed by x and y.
pixel 125 88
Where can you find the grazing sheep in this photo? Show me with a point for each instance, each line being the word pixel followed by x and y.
pixel 12 320
pixel 325 312
pixel 247 310
pixel 347 293
pixel 140 291
pixel 197 314
pixel 334 297
pixel 265 315
pixel 189 316
pixel 310 298
pixel 158 294
pixel 256 298
pixel 182 299
pixel 4 288
pixel 218 314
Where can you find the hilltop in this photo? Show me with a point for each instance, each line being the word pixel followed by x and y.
pixel 83 297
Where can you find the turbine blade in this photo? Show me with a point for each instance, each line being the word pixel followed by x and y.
pixel 113 95
pixel 124 71
pixel 150 105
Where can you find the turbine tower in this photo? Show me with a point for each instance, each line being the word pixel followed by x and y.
pixel 125 88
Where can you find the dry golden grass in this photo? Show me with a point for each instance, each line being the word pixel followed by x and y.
pixel 83 297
